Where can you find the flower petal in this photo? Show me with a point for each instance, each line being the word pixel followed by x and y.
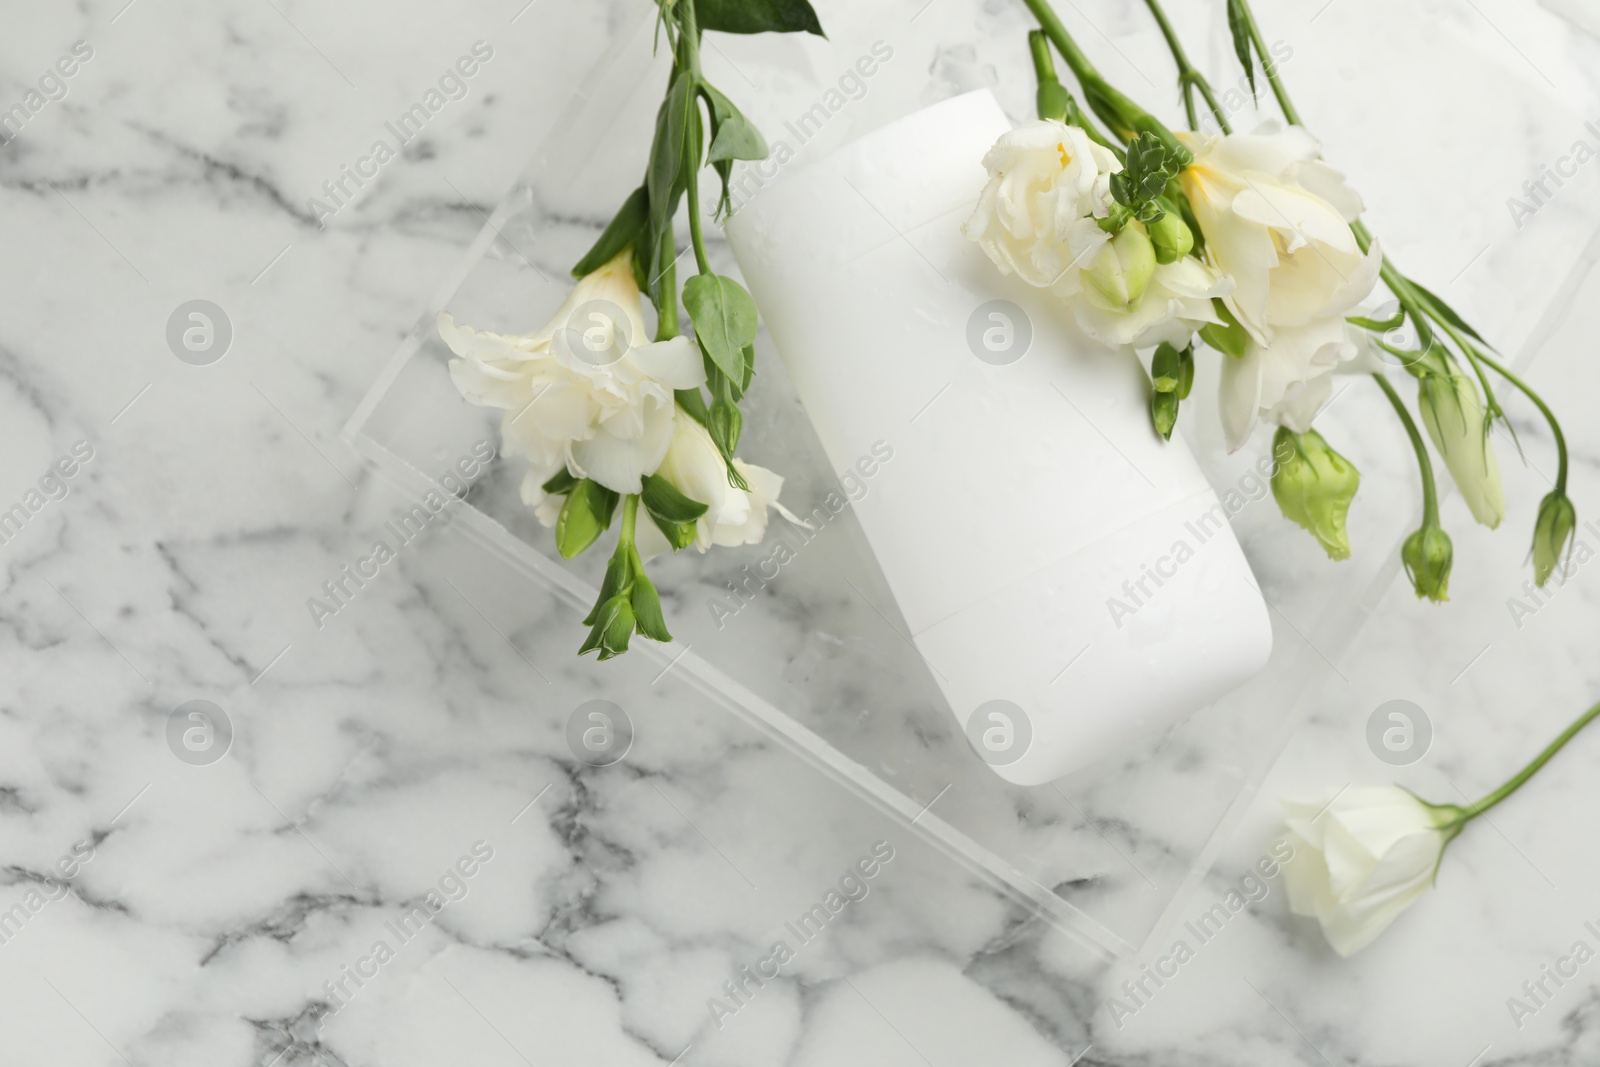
pixel 620 464
pixel 1239 396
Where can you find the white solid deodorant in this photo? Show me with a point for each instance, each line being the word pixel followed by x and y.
pixel 1070 578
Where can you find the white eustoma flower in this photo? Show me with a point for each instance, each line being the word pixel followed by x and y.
pixel 1361 858
pixel 696 469
pixel 1277 221
pixel 1454 414
pixel 588 393
pixel 1048 183
pixel 1289 381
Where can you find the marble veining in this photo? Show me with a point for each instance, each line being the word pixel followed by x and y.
pixel 176 911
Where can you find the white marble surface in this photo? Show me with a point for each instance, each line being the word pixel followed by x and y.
pixel 372 756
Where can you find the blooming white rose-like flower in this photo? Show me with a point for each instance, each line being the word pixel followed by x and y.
pixel 696 469
pixel 588 392
pixel 1048 183
pixel 1367 855
pixel 1277 221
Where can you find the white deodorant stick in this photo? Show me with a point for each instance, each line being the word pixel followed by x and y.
pixel 1070 578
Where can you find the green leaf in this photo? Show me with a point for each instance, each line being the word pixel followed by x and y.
pixel 646 604
pixel 1239 25
pixel 1231 338
pixel 663 501
pixel 644 252
pixel 584 517
pixel 693 403
pixel 665 179
pixel 560 484
pixel 724 319
pixel 733 136
pixel 630 221
pixel 737 139
pixel 757 16
pixel 1447 313
pixel 680 535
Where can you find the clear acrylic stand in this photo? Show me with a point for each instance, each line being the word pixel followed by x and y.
pixel 818 659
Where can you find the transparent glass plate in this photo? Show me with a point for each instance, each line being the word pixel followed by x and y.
pixel 818 658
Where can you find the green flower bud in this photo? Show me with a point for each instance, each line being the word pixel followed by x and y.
pixel 1230 338
pixel 612 628
pixel 1123 268
pixel 1164 412
pixel 1313 486
pixel 1166 369
pixel 1553 533
pixel 1427 555
pixel 1172 237
pixel 1454 416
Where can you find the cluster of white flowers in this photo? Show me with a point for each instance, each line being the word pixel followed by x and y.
pixel 613 420
pixel 1278 252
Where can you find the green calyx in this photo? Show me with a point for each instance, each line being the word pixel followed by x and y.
pixel 1427 555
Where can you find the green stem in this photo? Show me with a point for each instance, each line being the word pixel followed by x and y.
pixel 1057 32
pixel 1189 79
pixel 1478 807
pixel 1430 492
pixel 1544 409
pixel 667 310
pixel 690 39
pixel 630 512
pixel 1125 118
pixel 1411 304
pixel 1044 65
pixel 1284 103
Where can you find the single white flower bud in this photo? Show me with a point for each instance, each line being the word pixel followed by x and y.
pixel 1454 415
